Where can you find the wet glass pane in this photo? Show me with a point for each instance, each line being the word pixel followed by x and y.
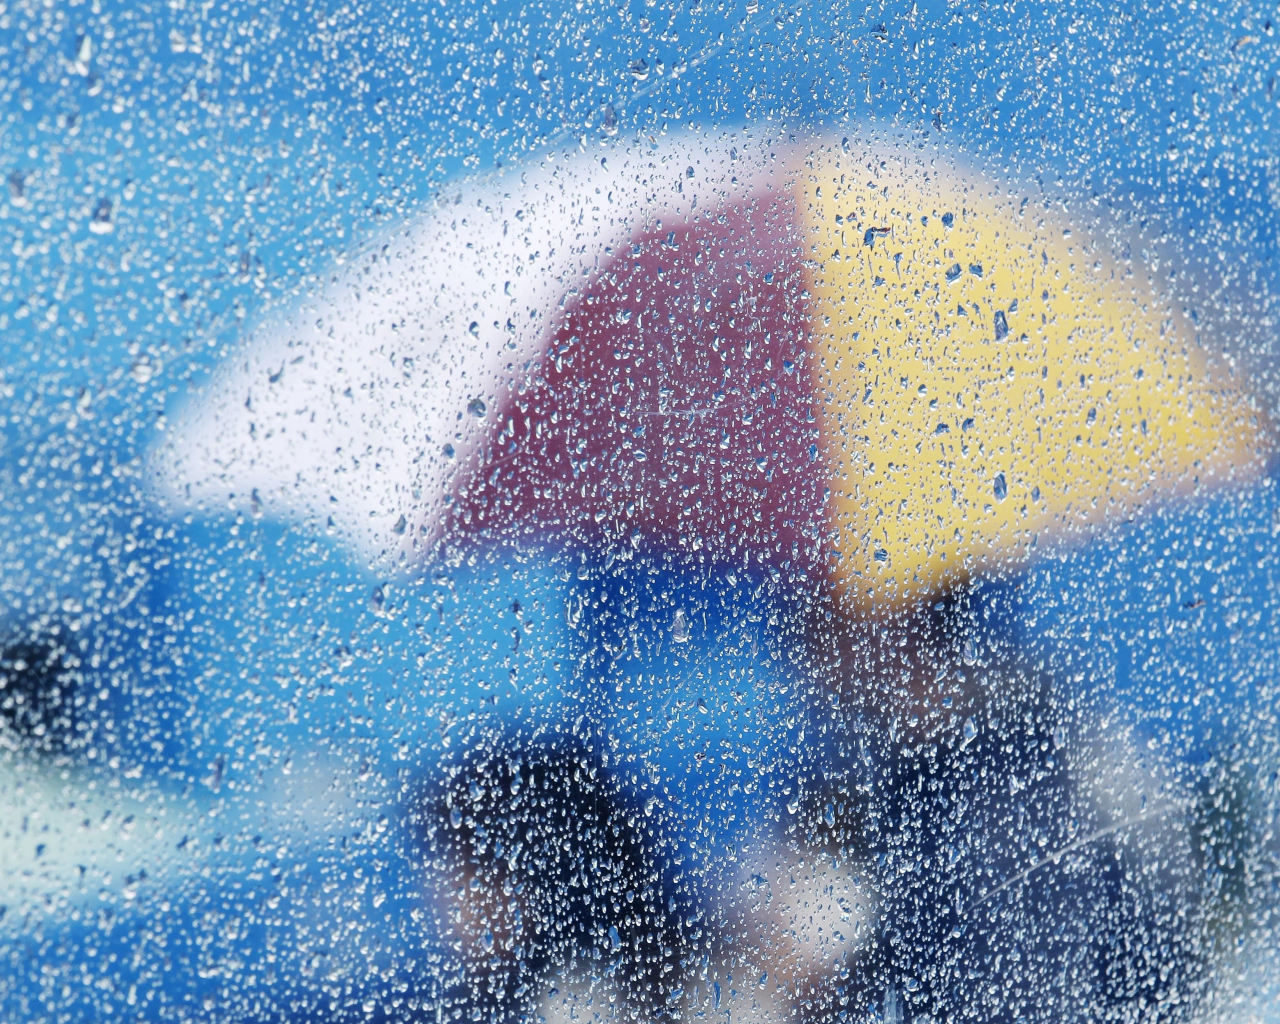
pixel 659 511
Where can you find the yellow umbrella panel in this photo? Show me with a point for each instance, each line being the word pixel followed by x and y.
pixel 990 380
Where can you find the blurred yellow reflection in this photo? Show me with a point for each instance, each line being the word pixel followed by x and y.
pixel 991 380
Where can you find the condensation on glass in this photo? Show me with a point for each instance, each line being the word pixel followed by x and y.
pixel 664 511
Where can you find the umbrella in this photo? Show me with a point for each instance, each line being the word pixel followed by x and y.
pixel 869 363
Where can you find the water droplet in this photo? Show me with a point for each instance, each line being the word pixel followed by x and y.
pixel 969 652
pixel 378 600
pixel 829 816
pixel 477 408
pixel 999 488
pixel 948 219
pixel 142 370
pixel 615 939
pixel 100 222
pixel 892 1010
pixel 639 69
pixel 680 631
pixel 1002 325
pixel 474 329
pixel 702 707
pixel 622 316
pixel 455 818
pixel 975 269
pixel 953 272
pixel 609 121
pixel 970 731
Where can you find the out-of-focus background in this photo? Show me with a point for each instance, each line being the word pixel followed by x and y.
pixel 247 775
